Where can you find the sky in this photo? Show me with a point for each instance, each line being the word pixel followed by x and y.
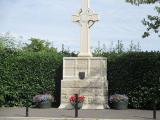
pixel 51 20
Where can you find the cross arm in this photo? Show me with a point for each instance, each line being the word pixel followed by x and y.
pixel 75 18
pixel 94 17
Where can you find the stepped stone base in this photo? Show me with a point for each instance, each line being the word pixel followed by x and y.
pixel 85 106
pixel 94 86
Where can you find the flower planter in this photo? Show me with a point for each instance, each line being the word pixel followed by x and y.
pixel 80 101
pixel 118 101
pixel 45 105
pixel 79 105
pixel 119 105
pixel 43 100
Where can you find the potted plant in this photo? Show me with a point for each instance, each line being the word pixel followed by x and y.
pixel 43 100
pixel 81 99
pixel 118 101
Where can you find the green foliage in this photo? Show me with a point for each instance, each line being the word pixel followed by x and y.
pixel 153 21
pixel 1 100
pixel 25 74
pixel 137 2
pixel 7 41
pixel 37 45
pixel 1 45
pixel 119 47
pixel 66 52
pixel 137 75
pixel 134 48
pixel 116 49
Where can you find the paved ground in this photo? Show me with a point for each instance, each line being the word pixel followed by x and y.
pixel 59 113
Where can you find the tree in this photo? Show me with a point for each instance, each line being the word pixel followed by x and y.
pixel 7 41
pixel 37 45
pixel 134 47
pixel 99 50
pixel 67 53
pixel 152 22
pixel 119 47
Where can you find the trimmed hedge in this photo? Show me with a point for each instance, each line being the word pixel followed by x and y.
pixel 136 75
pixel 25 74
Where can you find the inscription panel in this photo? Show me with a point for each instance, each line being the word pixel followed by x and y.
pixel 69 63
pixel 95 68
pixel 95 99
pixel 69 68
pixel 82 66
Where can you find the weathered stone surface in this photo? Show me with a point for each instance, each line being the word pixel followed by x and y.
pixel 84 91
pixel 94 86
pixel 83 83
pixel 69 69
pixel 86 18
pixel 94 67
pixel 95 106
pixel 88 99
pixel 85 75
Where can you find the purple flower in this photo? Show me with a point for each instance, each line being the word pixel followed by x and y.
pixel 118 98
pixel 42 98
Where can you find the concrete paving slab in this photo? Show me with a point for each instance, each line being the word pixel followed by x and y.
pixel 46 118
pixel 59 114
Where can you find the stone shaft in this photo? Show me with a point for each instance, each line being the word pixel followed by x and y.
pixel 86 18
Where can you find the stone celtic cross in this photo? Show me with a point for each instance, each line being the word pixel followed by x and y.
pixel 86 18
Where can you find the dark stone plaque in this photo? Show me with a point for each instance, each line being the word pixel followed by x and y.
pixel 81 75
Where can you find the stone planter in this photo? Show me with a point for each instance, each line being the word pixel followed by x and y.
pixel 43 100
pixel 119 105
pixel 79 105
pixel 47 104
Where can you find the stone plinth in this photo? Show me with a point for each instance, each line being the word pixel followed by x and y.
pixel 94 86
